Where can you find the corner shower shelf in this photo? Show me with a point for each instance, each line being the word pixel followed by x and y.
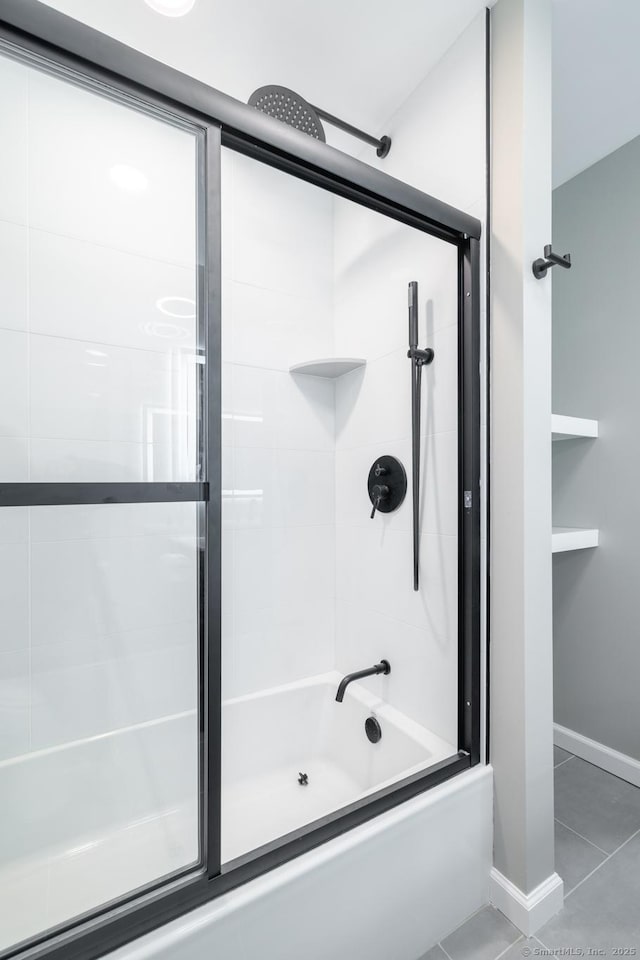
pixel 330 368
pixel 570 428
pixel 572 538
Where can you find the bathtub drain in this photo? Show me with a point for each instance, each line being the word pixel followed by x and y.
pixel 303 779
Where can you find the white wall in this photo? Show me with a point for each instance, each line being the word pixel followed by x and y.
pixel 278 459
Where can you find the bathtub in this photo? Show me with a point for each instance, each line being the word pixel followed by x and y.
pixel 386 890
pixel 381 891
pixel 274 738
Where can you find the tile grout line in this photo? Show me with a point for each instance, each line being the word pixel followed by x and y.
pixel 556 765
pixel 511 945
pixel 590 842
pixel 617 850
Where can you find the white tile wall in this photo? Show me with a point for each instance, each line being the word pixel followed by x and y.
pixel 298 449
pixel 279 430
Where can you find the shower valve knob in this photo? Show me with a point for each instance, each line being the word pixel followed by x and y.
pixel 386 485
pixel 380 492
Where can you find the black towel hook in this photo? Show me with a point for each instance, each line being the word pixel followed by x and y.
pixel 552 259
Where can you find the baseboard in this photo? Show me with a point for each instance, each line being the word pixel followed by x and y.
pixel 619 764
pixel 528 912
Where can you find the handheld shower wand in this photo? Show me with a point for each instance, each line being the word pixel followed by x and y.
pixel 419 358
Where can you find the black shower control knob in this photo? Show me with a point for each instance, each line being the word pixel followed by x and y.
pixel 386 484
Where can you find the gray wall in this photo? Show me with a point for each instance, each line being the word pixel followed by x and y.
pixel 596 373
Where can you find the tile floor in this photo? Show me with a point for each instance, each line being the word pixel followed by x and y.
pixel 598 857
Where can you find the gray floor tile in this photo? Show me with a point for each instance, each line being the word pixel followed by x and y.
pixel 483 937
pixel 436 953
pixel 529 947
pixel 597 805
pixel 603 913
pixel 575 857
pixel 560 755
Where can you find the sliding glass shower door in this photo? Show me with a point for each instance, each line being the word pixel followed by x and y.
pixel 203 363
pixel 100 526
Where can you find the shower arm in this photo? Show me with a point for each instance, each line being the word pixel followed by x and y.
pixel 419 358
pixel 382 145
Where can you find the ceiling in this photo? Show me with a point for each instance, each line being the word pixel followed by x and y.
pixel 596 81
pixel 358 59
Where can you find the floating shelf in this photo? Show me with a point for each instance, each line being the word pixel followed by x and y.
pixel 330 369
pixel 572 538
pixel 570 428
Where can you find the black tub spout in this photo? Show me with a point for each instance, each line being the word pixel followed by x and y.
pixel 383 667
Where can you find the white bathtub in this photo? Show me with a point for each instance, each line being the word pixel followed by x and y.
pixel 271 737
pixel 96 818
pixel 387 890
pixel 85 822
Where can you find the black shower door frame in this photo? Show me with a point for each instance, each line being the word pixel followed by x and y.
pixel 38 35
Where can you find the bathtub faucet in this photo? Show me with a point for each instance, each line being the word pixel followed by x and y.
pixel 383 667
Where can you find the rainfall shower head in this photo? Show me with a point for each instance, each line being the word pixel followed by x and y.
pixel 291 108
pixel 285 105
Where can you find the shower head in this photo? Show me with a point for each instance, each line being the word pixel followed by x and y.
pixel 285 105
pixel 291 108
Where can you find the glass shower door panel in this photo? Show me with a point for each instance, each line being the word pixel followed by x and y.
pixel 98 706
pixel 98 318
pixel 99 602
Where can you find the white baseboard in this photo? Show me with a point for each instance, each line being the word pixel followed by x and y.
pixel 528 912
pixel 619 764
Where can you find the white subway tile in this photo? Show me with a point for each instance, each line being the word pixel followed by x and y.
pixel 14 595
pixel 86 460
pixel 13 272
pixel 86 291
pixel 14 703
pixel 98 521
pixel 252 415
pixel 13 136
pixel 281 231
pixel 14 460
pixel 84 589
pixel 276 328
pixel 87 391
pixel 109 174
pixel 279 573
pixel 86 688
pixel 305 413
pixel 14 381
pixel 270 656
pixel 374 568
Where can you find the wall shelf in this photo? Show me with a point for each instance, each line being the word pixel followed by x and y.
pixel 330 368
pixel 572 538
pixel 570 428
